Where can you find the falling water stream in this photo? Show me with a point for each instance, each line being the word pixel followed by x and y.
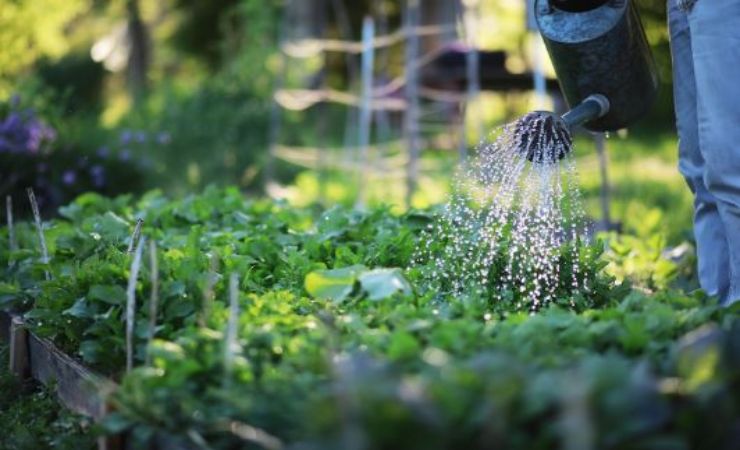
pixel 514 206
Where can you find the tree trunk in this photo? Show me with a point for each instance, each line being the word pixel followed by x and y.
pixel 139 56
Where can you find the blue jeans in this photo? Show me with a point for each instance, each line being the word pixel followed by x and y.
pixel 705 45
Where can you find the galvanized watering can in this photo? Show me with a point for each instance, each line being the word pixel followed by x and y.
pixel 602 60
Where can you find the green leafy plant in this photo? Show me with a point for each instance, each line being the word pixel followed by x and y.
pixel 342 338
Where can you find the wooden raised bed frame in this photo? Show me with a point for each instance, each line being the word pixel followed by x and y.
pixel 78 388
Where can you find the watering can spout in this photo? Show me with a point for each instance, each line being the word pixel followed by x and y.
pixel 591 108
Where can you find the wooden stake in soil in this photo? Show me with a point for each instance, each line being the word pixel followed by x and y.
pixel 135 235
pixel 12 244
pixel 19 356
pixel 255 435
pixel 472 64
pixel 154 297
pixel 39 229
pixel 131 305
pixel 231 328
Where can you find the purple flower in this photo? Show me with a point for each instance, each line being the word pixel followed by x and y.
pixel 103 152
pixel 38 134
pixel 140 137
pixel 12 124
pixel 23 132
pixel 69 177
pixel 34 138
pixel 125 155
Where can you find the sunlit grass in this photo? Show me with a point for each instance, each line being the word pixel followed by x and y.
pixel 644 177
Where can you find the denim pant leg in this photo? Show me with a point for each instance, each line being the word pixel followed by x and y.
pixel 715 42
pixel 709 229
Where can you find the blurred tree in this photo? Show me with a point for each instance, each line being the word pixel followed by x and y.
pixel 31 29
pixel 203 29
pixel 138 60
pixel 77 80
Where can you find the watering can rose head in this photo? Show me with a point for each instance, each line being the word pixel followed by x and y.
pixel 542 137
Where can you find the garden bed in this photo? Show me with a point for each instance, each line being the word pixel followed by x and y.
pixel 77 388
pixel 331 337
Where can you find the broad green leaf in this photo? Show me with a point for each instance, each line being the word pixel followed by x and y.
pixel 80 309
pixel 383 283
pixel 335 285
pixel 112 294
pixel 179 307
pixel 112 226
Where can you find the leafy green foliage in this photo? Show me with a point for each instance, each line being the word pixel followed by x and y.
pixel 342 340
pixel 271 247
pixel 413 376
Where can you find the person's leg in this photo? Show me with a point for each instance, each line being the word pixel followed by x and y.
pixel 708 227
pixel 715 41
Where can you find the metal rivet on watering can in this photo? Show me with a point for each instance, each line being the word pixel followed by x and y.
pixel 599 47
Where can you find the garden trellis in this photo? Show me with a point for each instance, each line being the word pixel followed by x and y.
pixel 393 157
pixel 391 120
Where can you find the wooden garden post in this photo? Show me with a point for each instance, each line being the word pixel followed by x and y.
pixel 324 108
pixel 276 117
pixel 381 115
pixel 345 33
pixel 472 67
pixel 411 119
pixel 469 18
pixel 366 108
pixel 605 194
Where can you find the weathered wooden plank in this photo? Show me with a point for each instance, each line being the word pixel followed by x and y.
pixel 19 349
pixel 78 388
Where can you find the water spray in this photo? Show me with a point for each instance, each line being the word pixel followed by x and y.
pixel 505 231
